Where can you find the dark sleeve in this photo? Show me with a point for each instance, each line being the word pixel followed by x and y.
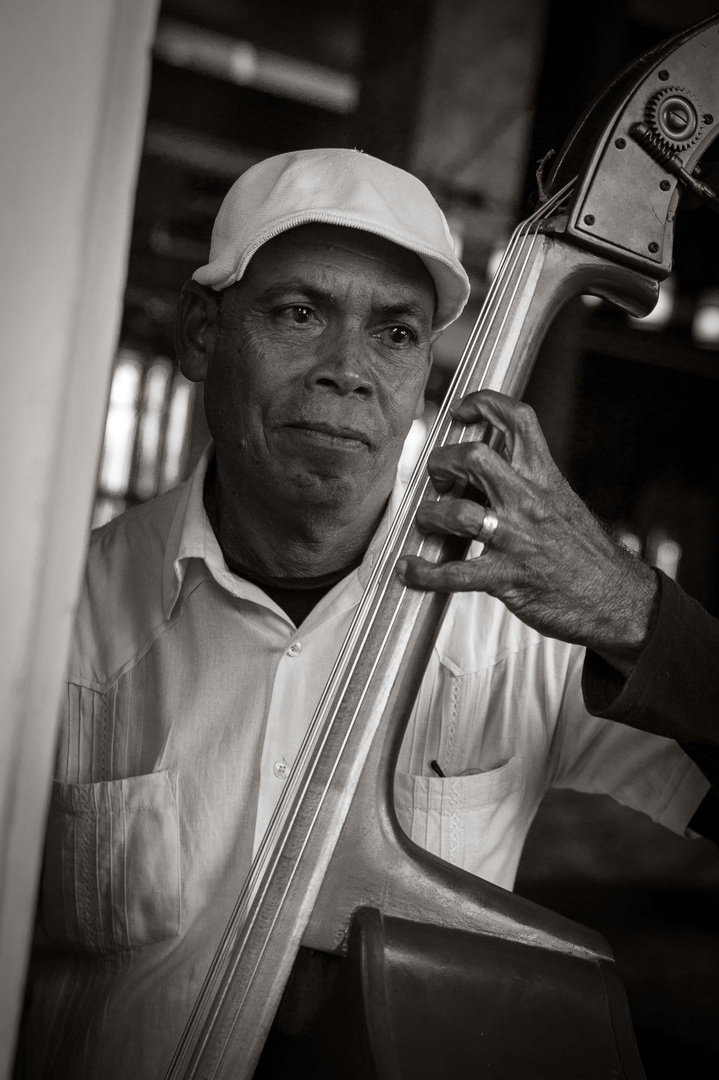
pixel 673 689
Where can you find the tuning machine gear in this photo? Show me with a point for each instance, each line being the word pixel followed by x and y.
pixel 674 118
pixel 673 124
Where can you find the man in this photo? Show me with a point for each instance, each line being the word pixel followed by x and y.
pixel 211 617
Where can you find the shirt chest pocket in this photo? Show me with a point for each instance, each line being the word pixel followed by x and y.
pixel 462 819
pixel 111 879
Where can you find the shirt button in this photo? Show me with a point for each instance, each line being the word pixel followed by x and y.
pixel 295 648
pixel 281 769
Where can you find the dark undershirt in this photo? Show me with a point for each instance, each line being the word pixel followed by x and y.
pixel 296 596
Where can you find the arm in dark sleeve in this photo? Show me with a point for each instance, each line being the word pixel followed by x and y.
pixel 673 689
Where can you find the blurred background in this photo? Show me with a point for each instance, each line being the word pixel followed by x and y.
pixel 468 94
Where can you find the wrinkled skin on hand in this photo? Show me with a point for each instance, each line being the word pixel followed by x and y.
pixel 549 561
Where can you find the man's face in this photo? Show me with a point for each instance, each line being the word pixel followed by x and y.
pixel 319 365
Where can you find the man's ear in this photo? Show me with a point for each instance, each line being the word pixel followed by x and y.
pixel 198 322
pixel 419 407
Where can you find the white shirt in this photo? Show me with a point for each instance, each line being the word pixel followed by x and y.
pixel 188 690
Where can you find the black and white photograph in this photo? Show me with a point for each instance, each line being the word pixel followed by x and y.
pixel 359 713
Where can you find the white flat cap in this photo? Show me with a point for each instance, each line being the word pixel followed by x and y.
pixel 336 187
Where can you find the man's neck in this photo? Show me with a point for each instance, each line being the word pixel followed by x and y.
pixel 282 541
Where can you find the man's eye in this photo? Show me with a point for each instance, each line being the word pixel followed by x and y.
pixel 399 335
pixel 300 314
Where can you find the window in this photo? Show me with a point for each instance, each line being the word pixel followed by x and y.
pixel 146 433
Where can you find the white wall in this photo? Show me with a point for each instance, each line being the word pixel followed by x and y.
pixel 73 85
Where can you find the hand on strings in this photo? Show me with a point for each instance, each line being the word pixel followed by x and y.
pixel 548 560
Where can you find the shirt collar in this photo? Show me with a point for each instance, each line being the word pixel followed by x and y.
pixel 191 537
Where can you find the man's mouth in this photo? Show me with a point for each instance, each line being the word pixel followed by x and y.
pixel 331 435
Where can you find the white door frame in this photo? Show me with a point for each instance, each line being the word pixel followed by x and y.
pixel 74 77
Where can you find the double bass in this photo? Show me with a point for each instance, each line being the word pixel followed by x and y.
pixel 352 952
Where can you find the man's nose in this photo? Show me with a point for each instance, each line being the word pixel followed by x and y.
pixel 341 365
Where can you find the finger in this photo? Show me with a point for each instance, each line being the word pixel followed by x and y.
pixel 474 410
pixel 483 404
pixel 516 421
pixel 451 517
pixel 472 575
pixel 476 464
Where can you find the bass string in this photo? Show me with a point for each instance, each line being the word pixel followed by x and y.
pixel 354 642
pixel 271 836
pixel 374 594
pixel 408 509
pixel 443 423
pixel 358 705
pixel 250 900
pixel 468 362
pixel 371 595
pixel 465 373
pixel 466 367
